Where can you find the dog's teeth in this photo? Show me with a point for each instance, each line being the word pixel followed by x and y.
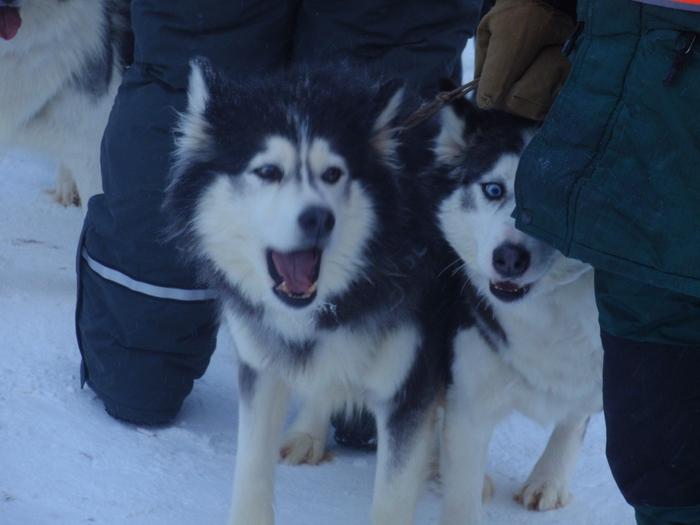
pixel 506 288
pixel 284 288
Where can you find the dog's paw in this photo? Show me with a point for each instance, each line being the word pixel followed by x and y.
pixel 543 494
pixel 66 194
pixel 301 448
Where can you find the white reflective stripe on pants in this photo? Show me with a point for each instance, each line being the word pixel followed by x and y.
pixel 160 292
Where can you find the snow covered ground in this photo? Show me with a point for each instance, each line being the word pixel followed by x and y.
pixel 64 461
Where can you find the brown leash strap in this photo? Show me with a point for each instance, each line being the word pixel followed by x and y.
pixel 441 100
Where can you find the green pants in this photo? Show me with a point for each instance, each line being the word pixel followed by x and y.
pixel 634 310
pixel 667 515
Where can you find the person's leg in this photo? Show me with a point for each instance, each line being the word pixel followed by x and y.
pixel 651 396
pixel 652 407
pixel 144 328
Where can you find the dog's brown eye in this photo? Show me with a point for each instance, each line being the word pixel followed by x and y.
pixel 331 175
pixel 269 172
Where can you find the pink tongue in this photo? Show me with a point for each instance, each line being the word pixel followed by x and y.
pixel 296 268
pixel 9 22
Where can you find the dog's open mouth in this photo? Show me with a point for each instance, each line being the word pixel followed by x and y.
pixel 295 275
pixel 507 291
pixel 10 20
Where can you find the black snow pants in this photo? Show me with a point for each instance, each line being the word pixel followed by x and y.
pixel 651 397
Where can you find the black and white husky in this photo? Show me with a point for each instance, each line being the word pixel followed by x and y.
pixel 61 63
pixel 529 339
pixel 290 194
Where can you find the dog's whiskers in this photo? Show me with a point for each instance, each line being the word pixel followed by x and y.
pixel 456 261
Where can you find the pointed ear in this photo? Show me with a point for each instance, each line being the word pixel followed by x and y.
pixel 458 123
pixel 450 143
pixel 192 126
pixel 384 132
pixel 388 102
pixel 198 91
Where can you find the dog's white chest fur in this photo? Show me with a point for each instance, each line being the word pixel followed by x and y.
pixel 549 368
pixel 343 363
pixel 551 362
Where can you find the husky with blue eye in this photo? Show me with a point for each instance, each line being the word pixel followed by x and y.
pixel 296 198
pixel 62 62
pixel 529 339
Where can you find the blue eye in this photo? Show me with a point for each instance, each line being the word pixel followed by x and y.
pixel 269 172
pixel 493 191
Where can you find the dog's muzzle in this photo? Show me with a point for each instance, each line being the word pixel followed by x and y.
pixel 295 273
pixel 510 261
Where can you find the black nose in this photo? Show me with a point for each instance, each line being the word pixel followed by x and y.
pixel 316 222
pixel 511 260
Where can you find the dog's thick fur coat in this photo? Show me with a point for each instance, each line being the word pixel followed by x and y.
pixel 291 196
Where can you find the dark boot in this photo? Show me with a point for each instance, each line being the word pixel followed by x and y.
pixel 357 430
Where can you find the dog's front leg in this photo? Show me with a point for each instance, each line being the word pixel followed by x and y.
pixel 476 401
pixel 404 447
pixel 262 407
pixel 547 487
pixel 465 443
